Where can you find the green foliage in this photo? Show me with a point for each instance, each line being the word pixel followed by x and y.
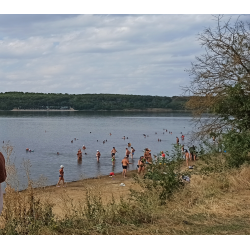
pixel 235 104
pixel 164 174
pixel 10 100
pixel 237 146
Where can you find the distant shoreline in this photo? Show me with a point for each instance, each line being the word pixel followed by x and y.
pixel 44 110
pixel 156 110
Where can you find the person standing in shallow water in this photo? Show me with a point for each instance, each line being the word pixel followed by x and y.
pixel 132 152
pixel 177 140
pixel 125 163
pixel 79 155
pixel 127 152
pixel 113 151
pixel 98 155
pixel 3 176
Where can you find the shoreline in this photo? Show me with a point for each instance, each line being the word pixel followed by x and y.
pixel 89 179
pixel 151 110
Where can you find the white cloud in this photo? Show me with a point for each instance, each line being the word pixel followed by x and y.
pixel 132 54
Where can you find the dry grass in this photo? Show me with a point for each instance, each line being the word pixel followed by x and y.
pixel 217 203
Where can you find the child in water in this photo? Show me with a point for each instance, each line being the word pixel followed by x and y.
pixel 113 160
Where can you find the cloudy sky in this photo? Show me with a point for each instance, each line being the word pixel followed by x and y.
pixel 77 54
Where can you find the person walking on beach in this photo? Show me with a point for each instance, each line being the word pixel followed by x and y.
pixel 98 155
pixel 61 176
pixel 132 152
pixel 113 151
pixel 125 163
pixel 127 152
pixel 3 176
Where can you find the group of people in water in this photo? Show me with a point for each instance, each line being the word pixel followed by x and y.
pixel 142 161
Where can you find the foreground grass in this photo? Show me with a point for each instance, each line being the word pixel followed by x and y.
pixel 213 204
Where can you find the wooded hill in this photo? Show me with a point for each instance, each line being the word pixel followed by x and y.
pixel 21 100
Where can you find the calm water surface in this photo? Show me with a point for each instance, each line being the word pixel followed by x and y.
pixel 27 130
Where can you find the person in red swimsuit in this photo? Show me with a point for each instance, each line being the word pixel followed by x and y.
pixel 61 176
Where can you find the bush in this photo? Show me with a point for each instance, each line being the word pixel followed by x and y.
pixel 164 174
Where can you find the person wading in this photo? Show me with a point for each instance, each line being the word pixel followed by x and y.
pixel 3 176
pixel 125 163
pixel 140 165
pixel 113 151
pixel 98 155
pixel 132 152
pixel 127 153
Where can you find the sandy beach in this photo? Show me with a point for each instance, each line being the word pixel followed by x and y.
pixel 76 191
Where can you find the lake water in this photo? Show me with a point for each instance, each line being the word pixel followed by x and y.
pixel 27 130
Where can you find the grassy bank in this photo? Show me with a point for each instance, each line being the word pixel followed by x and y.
pixel 215 203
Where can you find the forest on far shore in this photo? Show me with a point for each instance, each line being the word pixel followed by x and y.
pixel 26 100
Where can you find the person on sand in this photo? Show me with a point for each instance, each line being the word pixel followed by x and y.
pixel 125 163
pixel 127 152
pixel 61 176
pixel 113 151
pixel 132 152
pixel 98 155
pixel 3 176
pixel 140 165
pixel 187 157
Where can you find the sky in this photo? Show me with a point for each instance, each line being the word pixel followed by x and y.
pixel 99 53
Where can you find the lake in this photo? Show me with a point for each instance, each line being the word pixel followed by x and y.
pixel 27 130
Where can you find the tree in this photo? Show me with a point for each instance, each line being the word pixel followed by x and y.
pixel 220 78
